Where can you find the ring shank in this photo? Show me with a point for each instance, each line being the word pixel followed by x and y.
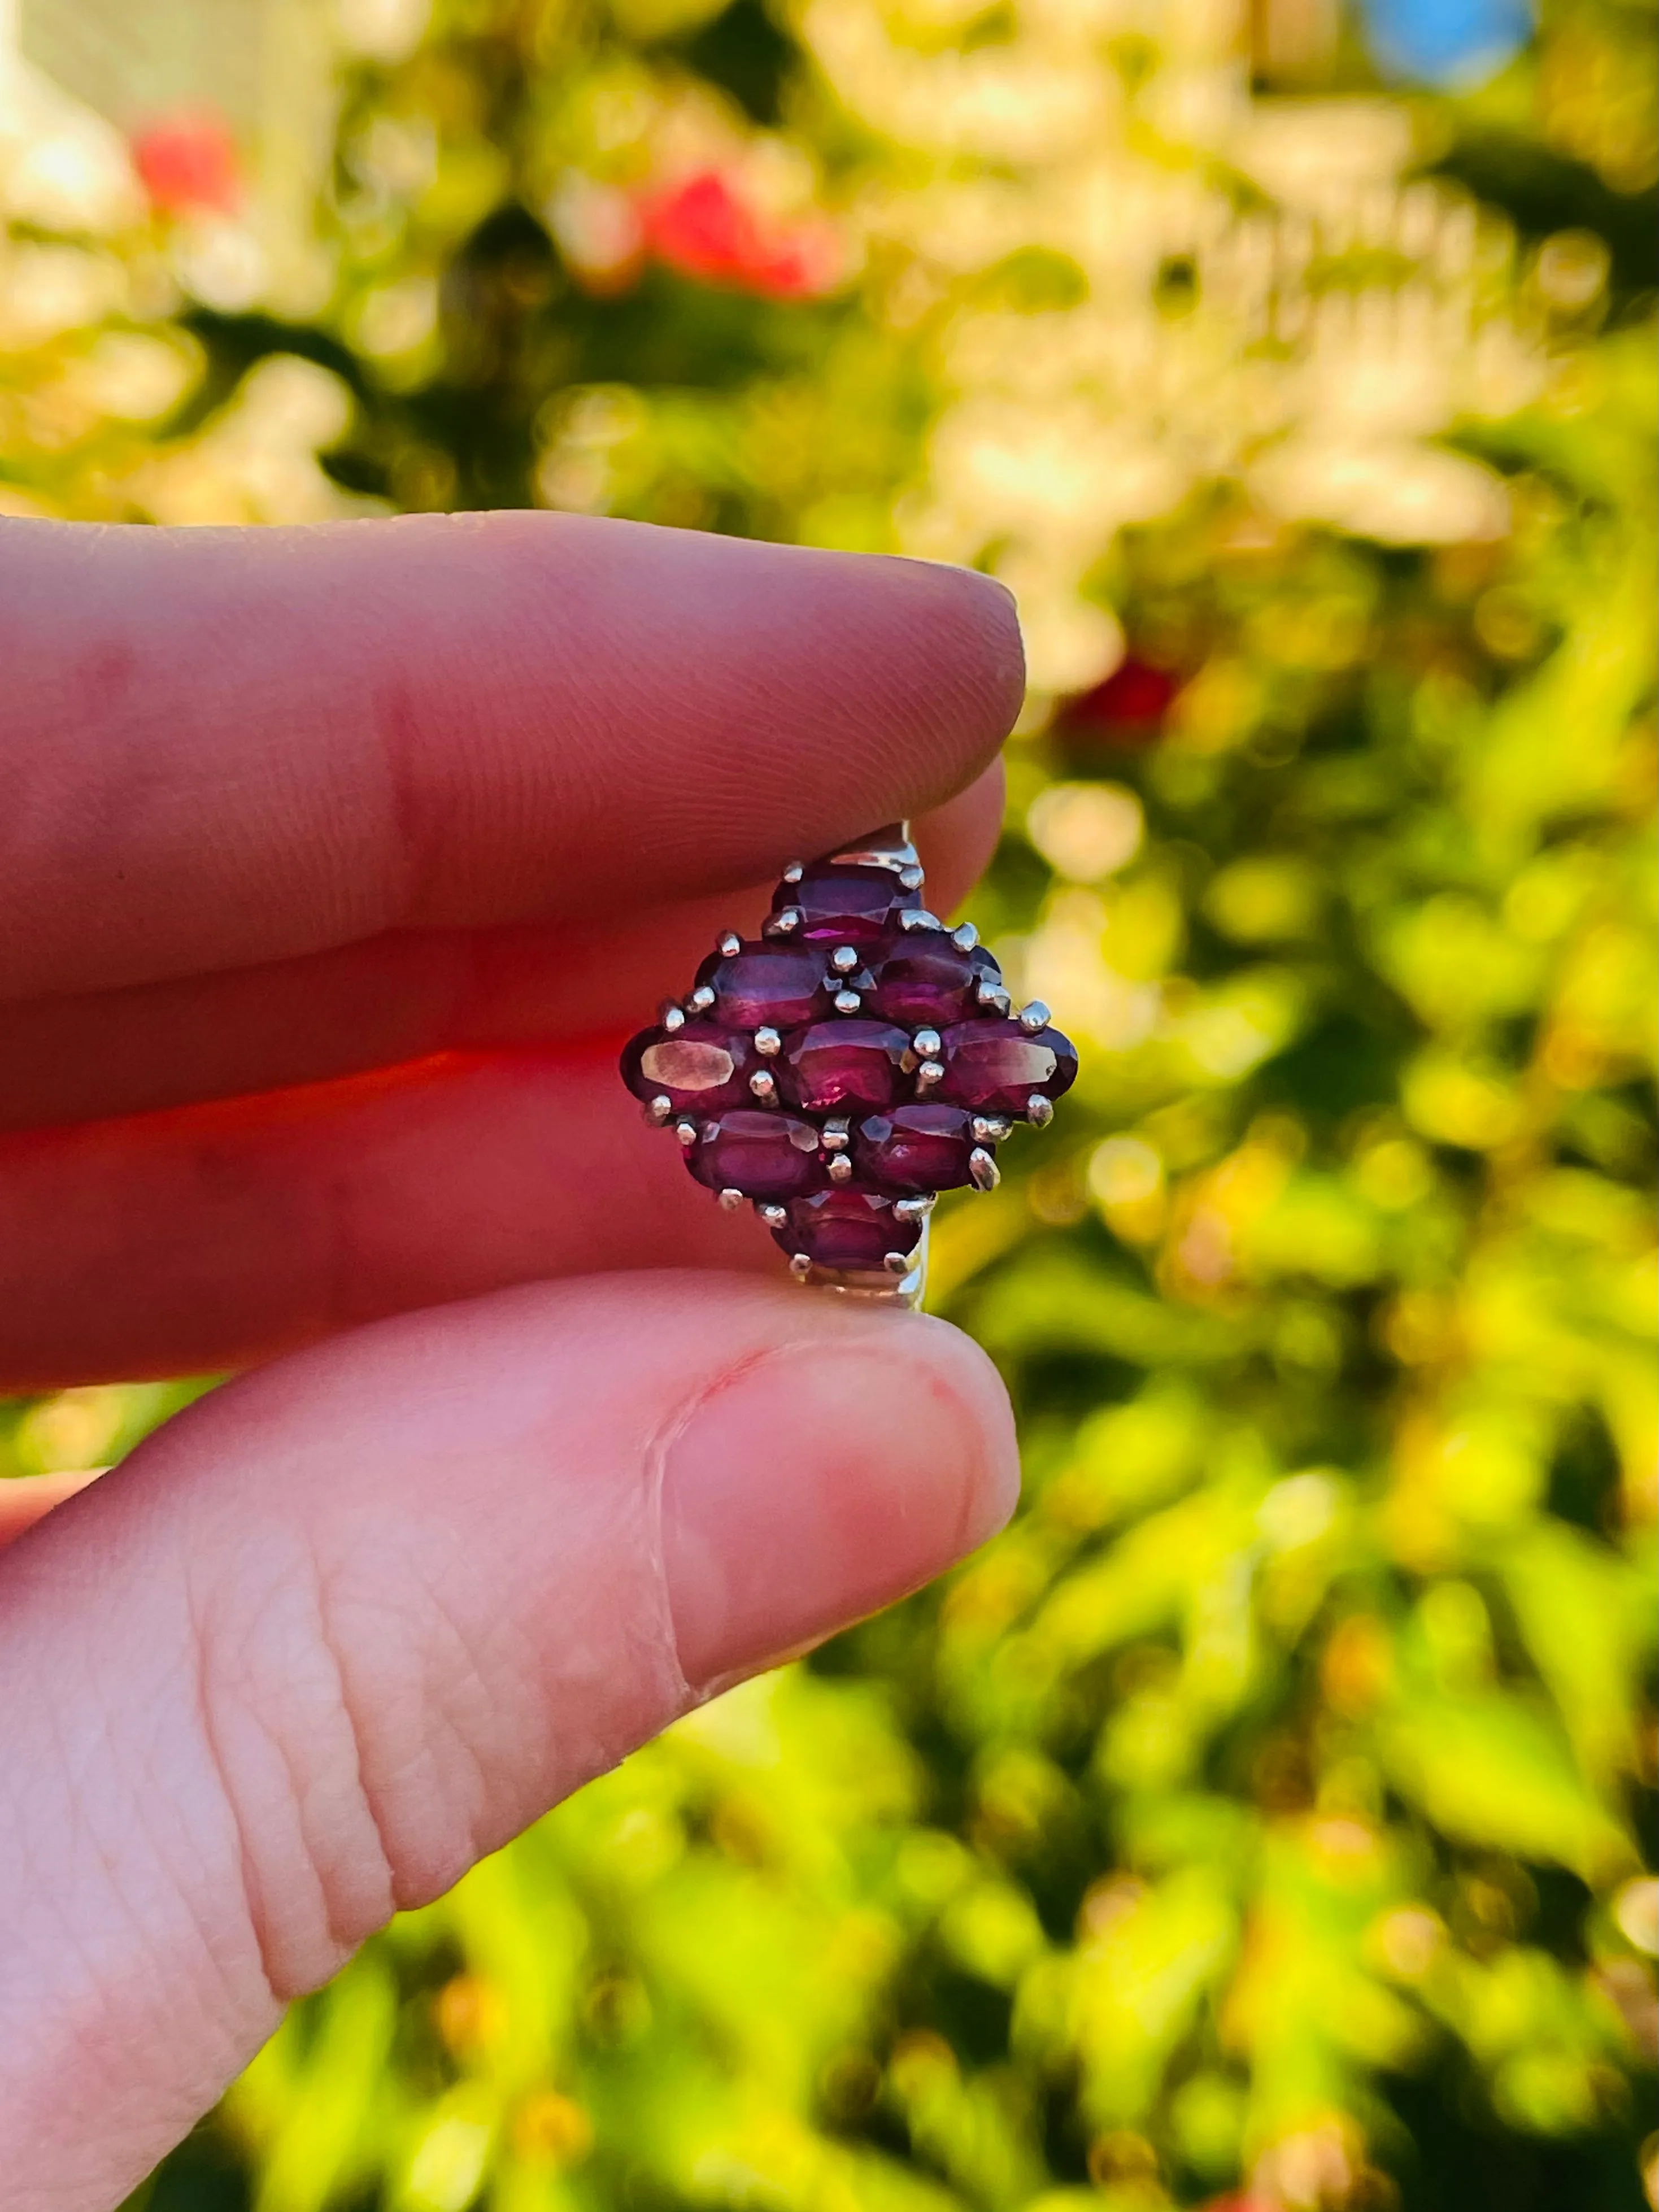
pixel 890 847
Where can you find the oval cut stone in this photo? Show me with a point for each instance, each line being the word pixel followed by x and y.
pixel 767 986
pixel 993 1067
pixel 845 905
pixel 926 981
pixel 846 1063
pixel 915 1148
pixel 698 1069
pixel 764 1155
pixel 846 1227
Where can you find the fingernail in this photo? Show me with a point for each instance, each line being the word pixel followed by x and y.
pixel 826 1479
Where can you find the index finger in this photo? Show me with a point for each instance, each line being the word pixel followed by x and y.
pixel 230 747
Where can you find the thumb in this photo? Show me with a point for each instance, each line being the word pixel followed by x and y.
pixel 354 1620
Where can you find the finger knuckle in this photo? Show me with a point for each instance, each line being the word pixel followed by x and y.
pixel 345 1768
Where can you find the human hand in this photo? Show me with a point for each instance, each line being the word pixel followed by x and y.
pixel 421 817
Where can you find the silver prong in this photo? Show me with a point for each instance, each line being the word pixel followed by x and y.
pixel 795 871
pixel 687 1134
pixel 839 1166
pixel 659 1110
pixel 1039 1110
pixel 836 1134
pixel 799 1266
pixel 730 1200
pixel 919 917
pixel 896 1263
pixel 983 1169
pixel 848 1002
pixel 844 959
pixel 730 942
pixel 784 923
pixel 764 1088
pixel 772 1215
pixel 991 993
pixel 990 1128
pixel 965 937
pixel 928 1043
pixel 671 1015
pixel 701 999
pixel 912 878
pixel 914 1209
pixel 767 1043
pixel 929 1073
pixel 1034 1017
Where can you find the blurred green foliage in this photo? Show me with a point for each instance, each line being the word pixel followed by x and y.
pixel 1257 1821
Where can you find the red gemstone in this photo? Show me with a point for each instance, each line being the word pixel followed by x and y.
pixel 767 986
pixel 845 905
pixel 696 1068
pixel 847 1228
pixel 847 1063
pixel 994 1066
pixel 764 1155
pixel 914 1148
pixel 926 980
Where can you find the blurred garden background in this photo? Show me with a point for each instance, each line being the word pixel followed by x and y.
pixel 1258 1823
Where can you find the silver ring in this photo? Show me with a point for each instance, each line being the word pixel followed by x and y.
pixel 844 1067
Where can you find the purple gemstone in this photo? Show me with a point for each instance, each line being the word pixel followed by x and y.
pixel 921 1147
pixel 696 1068
pixel 846 1227
pixel 994 1066
pixel 926 980
pixel 843 905
pixel 846 1063
pixel 767 986
pixel 764 1155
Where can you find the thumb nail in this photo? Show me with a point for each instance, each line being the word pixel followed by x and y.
pixel 824 1479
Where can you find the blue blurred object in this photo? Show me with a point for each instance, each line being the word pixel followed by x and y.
pixel 1447 41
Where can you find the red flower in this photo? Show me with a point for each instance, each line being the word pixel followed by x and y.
pixel 1128 708
pixel 186 162
pixel 702 228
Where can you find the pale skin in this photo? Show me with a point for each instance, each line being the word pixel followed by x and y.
pixel 334 864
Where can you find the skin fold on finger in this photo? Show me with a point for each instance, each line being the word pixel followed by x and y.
pixel 219 1235
pixel 27 1499
pixel 225 747
pixel 350 1622
pixel 397 997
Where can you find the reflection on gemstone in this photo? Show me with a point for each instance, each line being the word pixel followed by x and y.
pixel 682 1064
pixel 994 1067
pixel 695 1067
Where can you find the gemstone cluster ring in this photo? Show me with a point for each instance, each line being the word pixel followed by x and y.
pixel 846 1068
